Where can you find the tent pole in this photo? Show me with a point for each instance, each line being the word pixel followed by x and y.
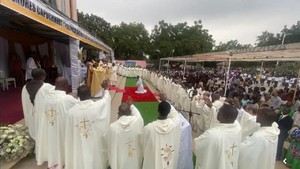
pixel 168 66
pixel 184 67
pixel 227 76
pixel 261 67
pixel 159 64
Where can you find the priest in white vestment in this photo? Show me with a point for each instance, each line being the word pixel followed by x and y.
pixel 211 109
pixel 114 77
pixel 161 139
pixel 185 159
pixel 197 120
pixel 248 120
pixel 30 65
pixel 86 126
pixel 180 96
pixel 140 89
pixel 33 94
pixel 123 138
pixel 50 143
pixel 218 147
pixel 259 149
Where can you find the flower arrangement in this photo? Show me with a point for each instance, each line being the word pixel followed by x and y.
pixel 15 142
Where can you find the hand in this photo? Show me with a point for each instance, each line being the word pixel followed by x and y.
pixel 237 103
pixel 162 96
pixel 129 101
pixel 208 102
pixel 105 84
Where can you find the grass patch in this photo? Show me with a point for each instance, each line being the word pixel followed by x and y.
pixel 148 111
pixel 131 82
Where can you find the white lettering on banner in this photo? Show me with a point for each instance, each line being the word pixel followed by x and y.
pixel 42 10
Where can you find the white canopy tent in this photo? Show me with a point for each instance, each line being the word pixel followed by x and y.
pixel 288 52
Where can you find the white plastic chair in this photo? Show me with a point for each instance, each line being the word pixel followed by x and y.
pixel 10 79
pixel 2 80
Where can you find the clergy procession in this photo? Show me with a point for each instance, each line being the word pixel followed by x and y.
pixel 237 130
pixel 244 128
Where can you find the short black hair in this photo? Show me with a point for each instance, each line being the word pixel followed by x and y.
pixel 229 112
pixel 38 73
pixel 266 115
pixel 164 108
pixel 84 92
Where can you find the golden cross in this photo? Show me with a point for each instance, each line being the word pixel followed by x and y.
pixel 51 111
pixel 232 148
pixel 84 122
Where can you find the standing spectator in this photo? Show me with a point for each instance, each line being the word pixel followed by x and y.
pixel 285 123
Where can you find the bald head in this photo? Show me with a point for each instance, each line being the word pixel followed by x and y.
pixel 61 83
pixel 124 110
pixel 38 74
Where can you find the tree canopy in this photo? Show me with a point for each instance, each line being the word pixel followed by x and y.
pixel 130 41
pixel 180 39
pixel 292 35
pixel 133 41
pixel 230 45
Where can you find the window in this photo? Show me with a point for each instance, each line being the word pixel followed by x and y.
pixel 51 3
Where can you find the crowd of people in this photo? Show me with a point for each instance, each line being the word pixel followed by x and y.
pixel 242 128
pixel 264 116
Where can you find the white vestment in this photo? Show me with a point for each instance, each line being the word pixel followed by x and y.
pixel 248 124
pixel 160 83
pixel 259 150
pixel 30 65
pixel 161 142
pixel 210 114
pixel 181 95
pixel 198 122
pixel 51 136
pixel 31 111
pixel 140 89
pixel 218 147
pixel 185 159
pixel 175 96
pixel 114 76
pixel 86 127
pixel 123 141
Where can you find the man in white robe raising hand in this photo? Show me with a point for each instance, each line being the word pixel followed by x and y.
pixel 161 138
pixel 51 137
pixel 259 149
pixel 218 147
pixel 123 138
pixel 86 126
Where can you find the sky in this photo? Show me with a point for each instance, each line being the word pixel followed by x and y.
pixel 243 20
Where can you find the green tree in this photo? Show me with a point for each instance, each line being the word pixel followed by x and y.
pixel 267 39
pixel 293 33
pixel 97 26
pixel 181 39
pixel 131 41
pixel 230 45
